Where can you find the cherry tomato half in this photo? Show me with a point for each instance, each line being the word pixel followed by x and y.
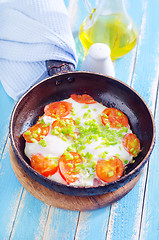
pixel 36 132
pixel 43 165
pixel 109 170
pixel 85 98
pixel 67 167
pixel 60 109
pixel 131 144
pixel 114 117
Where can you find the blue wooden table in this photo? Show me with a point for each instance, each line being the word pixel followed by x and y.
pixel 135 216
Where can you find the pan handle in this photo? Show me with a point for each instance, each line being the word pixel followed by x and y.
pixel 56 67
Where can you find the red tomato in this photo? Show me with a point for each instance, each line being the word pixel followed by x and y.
pixel 43 165
pixel 60 109
pixel 36 132
pixel 109 170
pixel 114 117
pixel 85 98
pixel 67 167
pixel 131 144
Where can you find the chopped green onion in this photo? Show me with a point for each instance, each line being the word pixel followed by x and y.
pixel 103 155
pixel 68 155
pixel 35 135
pixel 132 149
pixel 38 131
pixel 89 155
pixel 43 143
pixel 51 157
pixel 110 174
pixel 44 132
pixel 87 115
pixel 104 115
pixel 107 125
pixel 42 121
pixel 73 112
pixel 126 161
pixel 64 139
pixel 27 133
pixel 33 140
pixel 100 146
pixel 82 147
pixel 119 125
pixel 70 164
pixel 78 120
pixel 45 125
pixel 85 106
pixel 125 129
pixel 119 114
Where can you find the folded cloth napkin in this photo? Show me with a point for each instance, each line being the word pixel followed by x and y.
pixel 31 32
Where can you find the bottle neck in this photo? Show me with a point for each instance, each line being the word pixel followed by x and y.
pixel 110 6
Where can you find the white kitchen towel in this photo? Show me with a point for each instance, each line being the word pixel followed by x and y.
pixel 31 32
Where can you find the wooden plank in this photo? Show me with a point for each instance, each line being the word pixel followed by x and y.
pixel 150 218
pixel 93 224
pixel 43 221
pixel 10 195
pixel 146 69
pixel 61 224
pixel 30 219
pixel 150 223
pixel 10 189
pixel 128 211
pixel 125 215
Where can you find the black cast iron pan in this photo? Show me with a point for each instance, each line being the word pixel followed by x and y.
pixel 109 91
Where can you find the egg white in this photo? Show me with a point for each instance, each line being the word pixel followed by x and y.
pixel 55 147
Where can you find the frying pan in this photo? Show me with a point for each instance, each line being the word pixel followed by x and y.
pixel 109 91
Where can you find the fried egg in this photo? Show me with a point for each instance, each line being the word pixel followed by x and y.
pixel 95 142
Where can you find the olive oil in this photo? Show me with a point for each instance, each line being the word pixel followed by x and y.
pixel 113 30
